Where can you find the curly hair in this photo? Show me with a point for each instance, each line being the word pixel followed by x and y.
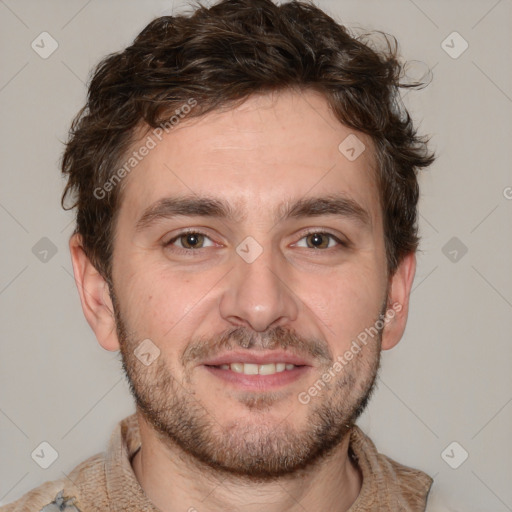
pixel 219 56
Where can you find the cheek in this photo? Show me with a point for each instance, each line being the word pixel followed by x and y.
pixel 154 301
pixel 346 302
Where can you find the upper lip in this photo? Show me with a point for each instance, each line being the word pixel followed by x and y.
pixel 274 356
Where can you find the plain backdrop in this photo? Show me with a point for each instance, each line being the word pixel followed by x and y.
pixel 448 380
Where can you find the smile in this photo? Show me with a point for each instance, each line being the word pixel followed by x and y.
pixel 257 369
pixel 258 377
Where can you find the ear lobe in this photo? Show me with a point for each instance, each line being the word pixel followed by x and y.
pixel 398 300
pixel 94 296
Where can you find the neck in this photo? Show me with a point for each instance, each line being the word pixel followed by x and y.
pixel 175 481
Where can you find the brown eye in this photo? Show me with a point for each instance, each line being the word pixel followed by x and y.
pixel 321 240
pixel 191 240
pixel 318 240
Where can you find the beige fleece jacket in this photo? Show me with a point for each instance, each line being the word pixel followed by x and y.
pixel 106 481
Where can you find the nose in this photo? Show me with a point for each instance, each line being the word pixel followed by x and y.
pixel 258 294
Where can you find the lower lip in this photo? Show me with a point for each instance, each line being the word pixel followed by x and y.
pixel 259 382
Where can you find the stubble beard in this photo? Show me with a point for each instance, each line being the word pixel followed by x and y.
pixel 259 449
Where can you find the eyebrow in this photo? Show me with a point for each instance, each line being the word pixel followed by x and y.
pixel 195 206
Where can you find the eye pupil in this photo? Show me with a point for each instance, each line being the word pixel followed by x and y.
pixel 192 239
pixel 317 240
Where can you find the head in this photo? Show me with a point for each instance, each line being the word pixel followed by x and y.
pixel 244 179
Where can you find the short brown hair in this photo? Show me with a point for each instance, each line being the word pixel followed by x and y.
pixel 219 56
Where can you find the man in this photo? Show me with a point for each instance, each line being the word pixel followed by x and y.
pixel 246 194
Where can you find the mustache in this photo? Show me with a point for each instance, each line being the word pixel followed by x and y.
pixel 243 337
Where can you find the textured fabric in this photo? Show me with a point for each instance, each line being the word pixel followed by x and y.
pixel 106 481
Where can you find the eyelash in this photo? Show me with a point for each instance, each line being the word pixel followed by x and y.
pixel 199 232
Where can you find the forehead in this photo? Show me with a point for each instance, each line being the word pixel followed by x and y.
pixel 273 148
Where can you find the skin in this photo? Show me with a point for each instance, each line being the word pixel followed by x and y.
pixel 206 443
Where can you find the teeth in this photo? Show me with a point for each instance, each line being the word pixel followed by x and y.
pixel 237 367
pixel 255 369
pixel 250 369
pixel 267 369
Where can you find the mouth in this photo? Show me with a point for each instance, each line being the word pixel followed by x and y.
pixel 256 371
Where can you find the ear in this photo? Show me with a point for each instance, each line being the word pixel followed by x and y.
pixel 94 296
pixel 400 284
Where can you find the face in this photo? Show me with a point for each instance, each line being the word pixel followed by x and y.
pixel 250 252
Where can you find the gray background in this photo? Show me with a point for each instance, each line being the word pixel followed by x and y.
pixel 449 378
